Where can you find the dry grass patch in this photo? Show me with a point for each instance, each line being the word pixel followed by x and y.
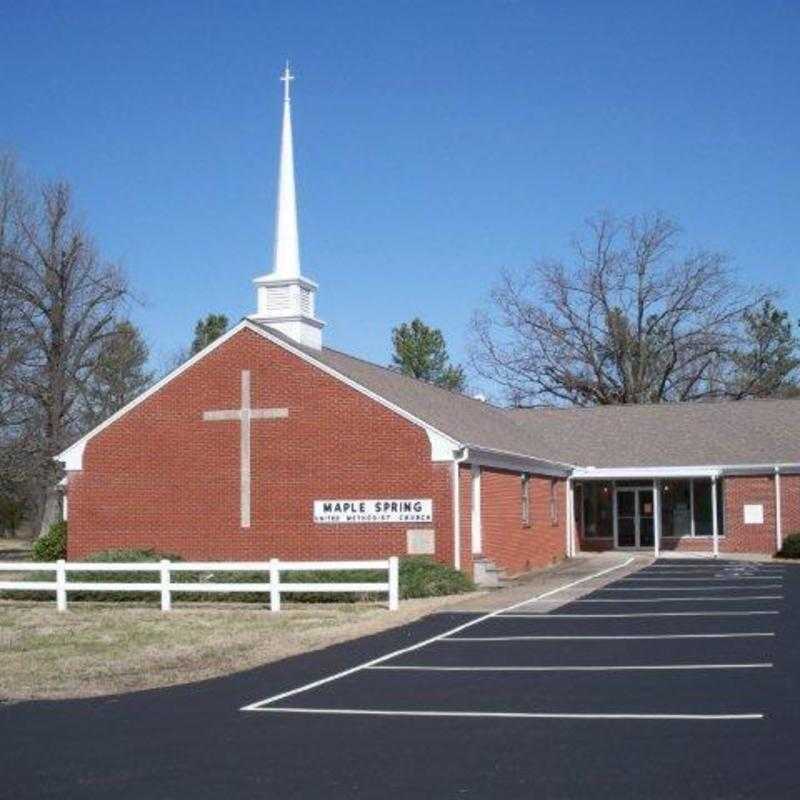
pixel 15 544
pixel 107 648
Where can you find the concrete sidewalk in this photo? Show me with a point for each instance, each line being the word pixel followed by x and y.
pixel 545 580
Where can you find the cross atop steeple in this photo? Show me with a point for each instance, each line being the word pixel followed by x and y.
pixel 285 299
pixel 286 78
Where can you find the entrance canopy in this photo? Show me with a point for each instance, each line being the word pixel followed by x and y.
pixel 639 507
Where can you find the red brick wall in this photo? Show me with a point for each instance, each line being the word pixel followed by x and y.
pixel 506 540
pixel 689 544
pixel 749 489
pixel 163 477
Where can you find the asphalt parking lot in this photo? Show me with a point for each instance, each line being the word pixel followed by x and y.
pixel 677 640
pixel 679 680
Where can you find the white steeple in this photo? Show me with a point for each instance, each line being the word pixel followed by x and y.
pixel 285 299
pixel 287 247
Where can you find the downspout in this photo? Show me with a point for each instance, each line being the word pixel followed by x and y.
pixel 569 544
pixel 458 459
pixel 656 517
pixel 715 526
pixel 778 521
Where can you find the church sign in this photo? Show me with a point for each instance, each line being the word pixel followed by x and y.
pixel 350 511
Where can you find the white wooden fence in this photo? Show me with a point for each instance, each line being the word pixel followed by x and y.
pixel 272 586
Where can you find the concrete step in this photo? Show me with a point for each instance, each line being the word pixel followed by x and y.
pixel 487 574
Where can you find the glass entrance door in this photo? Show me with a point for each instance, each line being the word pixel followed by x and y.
pixel 644 499
pixel 635 518
pixel 627 535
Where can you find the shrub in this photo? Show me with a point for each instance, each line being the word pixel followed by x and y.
pixel 791 547
pixel 53 545
pixel 120 556
pixel 127 556
pixel 423 577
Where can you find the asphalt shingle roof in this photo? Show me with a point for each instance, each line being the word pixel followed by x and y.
pixel 669 434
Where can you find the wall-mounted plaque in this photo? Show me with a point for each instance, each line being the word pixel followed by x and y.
pixel 754 514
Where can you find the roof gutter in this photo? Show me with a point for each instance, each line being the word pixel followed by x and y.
pixel 689 471
pixel 518 462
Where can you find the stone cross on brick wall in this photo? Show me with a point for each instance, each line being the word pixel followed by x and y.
pixel 244 416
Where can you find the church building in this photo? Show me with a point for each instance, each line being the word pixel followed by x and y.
pixel 268 444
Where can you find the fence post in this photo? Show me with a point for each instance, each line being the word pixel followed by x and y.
pixel 166 596
pixel 61 585
pixel 394 584
pixel 274 585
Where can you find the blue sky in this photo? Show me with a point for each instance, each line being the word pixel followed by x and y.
pixel 436 142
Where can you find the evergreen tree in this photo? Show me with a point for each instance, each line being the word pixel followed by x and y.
pixel 118 375
pixel 767 364
pixel 208 329
pixel 420 351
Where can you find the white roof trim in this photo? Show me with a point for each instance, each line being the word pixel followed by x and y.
pixel 611 473
pixel 787 468
pixel 518 462
pixel 689 471
pixel 72 457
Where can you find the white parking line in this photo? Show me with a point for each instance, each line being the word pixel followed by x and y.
pixel 712 567
pixel 749 635
pixel 531 615
pixel 700 580
pixel 710 574
pixel 373 712
pixel 569 667
pixel 685 599
pixel 721 564
pixel 257 706
pixel 715 576
pixel 691 588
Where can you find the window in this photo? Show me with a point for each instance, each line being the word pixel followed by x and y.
pixel 703 508
pixel 553 504
pixel 598 510
pixel 687 508
pixel 676 508
pixel 525 498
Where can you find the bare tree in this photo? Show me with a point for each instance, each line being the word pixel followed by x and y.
pixel 630 319
pixel 12 341
pixel 67 298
